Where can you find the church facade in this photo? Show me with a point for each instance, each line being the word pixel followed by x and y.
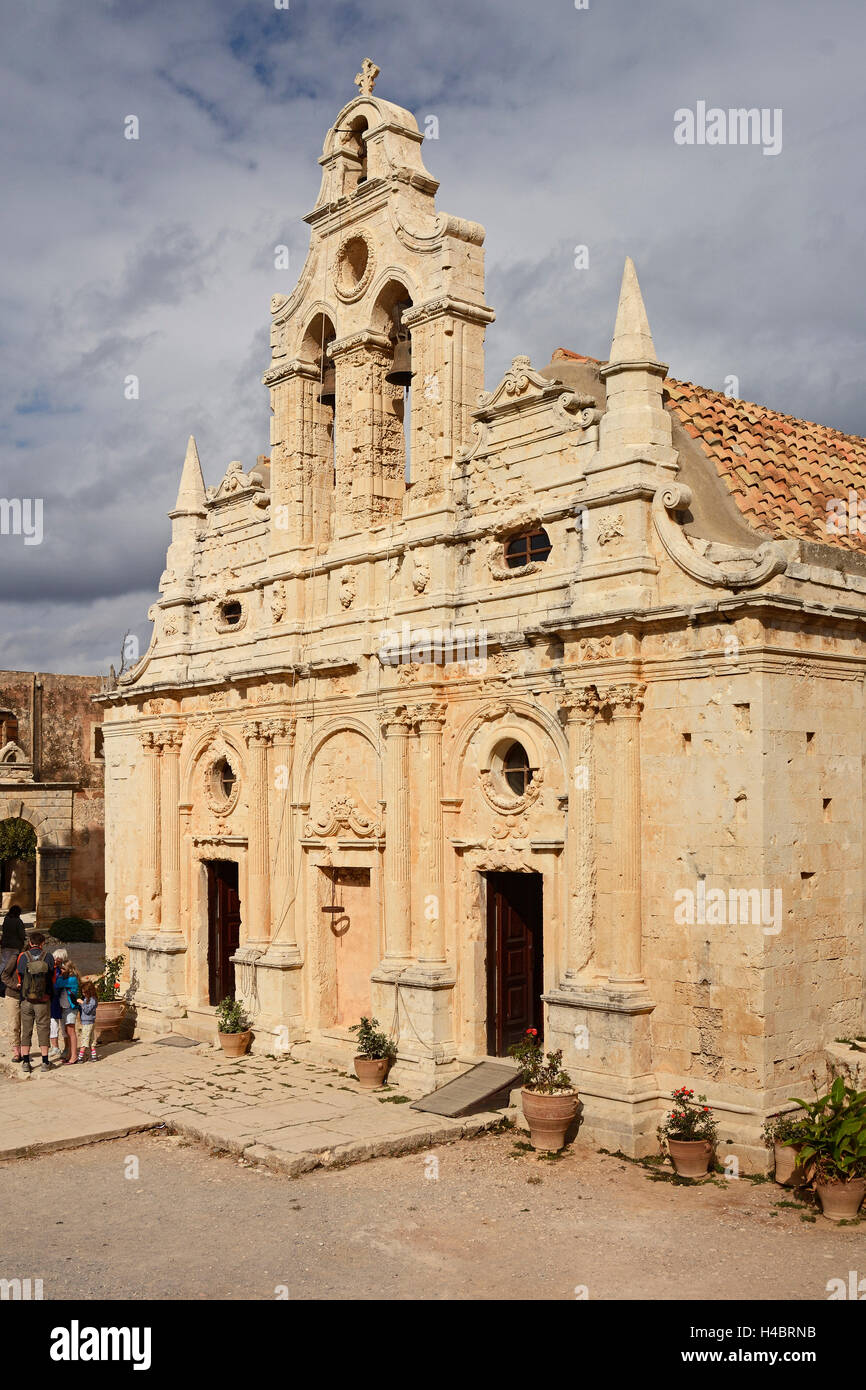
pixel 484 710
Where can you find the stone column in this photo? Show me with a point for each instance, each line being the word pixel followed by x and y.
pixel 283 887
pixel 257 914
pixel 581 708
pixel 431 953
pixel 151 858
pixel 396 728
pixel 170 741
pixel 626 703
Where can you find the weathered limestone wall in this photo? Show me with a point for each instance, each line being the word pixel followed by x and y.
pixel 58 786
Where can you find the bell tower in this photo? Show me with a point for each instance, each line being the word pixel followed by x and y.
pixel 377 355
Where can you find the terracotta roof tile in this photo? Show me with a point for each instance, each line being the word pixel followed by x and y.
pixel 780 471
pixel 783 471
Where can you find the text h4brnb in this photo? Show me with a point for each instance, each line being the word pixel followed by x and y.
pixel 737 126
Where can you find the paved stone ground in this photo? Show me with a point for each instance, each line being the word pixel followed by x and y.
pixel 487 1220
pixel 290 1115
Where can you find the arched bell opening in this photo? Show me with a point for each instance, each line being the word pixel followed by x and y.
pixel 391 306
pixel 355 144
pixel 318 338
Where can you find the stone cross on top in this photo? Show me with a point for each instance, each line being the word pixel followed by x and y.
pixel 365 80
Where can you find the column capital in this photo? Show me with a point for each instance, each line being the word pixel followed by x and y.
pixel 396 721
pixel 580 704
pixel 430 718
pixel 280 730
pixel 624 701
pixel 168 740
pixel 367 340
pixel 257 733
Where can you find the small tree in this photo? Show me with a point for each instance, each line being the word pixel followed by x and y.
pixel 17 840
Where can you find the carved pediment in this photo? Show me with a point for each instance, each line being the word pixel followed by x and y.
pixel 343 814
pixel 235 483
pixel 521 386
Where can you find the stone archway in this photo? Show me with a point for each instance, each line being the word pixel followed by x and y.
pixel 17 869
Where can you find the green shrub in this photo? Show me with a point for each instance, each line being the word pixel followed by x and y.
pixel 231 1016
pixel 372 1043
pixel 72 929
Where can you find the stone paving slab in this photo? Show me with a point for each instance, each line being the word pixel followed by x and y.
pixel 289 1114
pixel 46 1117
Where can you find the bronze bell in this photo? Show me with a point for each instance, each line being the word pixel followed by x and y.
pixel 328 393
pixel 401 373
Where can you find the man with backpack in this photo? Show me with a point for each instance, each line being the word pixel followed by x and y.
pixel 36 975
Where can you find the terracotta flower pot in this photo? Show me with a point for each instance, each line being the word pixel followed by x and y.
pixel 371 1071
pixel 840 1201
pixel 235 1044
pixel 789 1172
pixel 548 1117
pixel 109 1016
pixel 690 1157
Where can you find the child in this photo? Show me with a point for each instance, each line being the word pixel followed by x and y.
pixel 88 1019
pixel 67 985
pixel 58 1031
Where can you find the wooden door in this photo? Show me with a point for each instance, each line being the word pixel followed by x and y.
pixel 224 923
pixel 514 959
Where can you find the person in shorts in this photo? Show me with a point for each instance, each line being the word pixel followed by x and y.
pixel 58 1029
pixel 35 969
pixel 88 1002
pixel 66 986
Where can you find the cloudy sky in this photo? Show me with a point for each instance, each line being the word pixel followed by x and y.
pixel 155 257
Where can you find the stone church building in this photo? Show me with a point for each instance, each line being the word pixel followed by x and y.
pixel 479 710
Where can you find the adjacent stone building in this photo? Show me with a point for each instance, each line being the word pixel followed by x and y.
pixel 479 710
pixel 51 778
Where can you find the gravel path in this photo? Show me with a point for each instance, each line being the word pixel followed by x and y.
pixel 497 1223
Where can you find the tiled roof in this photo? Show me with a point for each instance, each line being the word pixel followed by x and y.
pixel 780 471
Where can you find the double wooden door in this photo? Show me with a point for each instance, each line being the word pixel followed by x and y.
pixel 224 923
pixel 515 967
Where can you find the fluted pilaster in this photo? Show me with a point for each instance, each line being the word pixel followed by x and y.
pixel 150 906
pixel 626 704
pixel 170 741
pixel 396 729
pixel 580 707
pixel 283 931
pixel 257 915
pixel 430 720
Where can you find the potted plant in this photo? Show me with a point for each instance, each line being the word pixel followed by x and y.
pixel 689 1131
pixel 233 1027
pixel 833 1136
pixel 549 1098
pixel 783 1135
pixel 110 1008
pixel 375 1053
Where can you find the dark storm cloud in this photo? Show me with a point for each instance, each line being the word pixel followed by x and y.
pixel 155 258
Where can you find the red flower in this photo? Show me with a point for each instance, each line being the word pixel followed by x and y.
pixel 532 1032
pixel 706 1108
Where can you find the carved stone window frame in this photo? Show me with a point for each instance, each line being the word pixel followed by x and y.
pixel 494 785
pixel 214 794
pixel 350 293
pixel 221 624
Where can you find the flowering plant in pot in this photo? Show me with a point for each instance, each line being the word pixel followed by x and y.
pixel 549 1098
pixel 110 1007
pixel 833 1137
pixel 375 1053
pixel 690 1132
pixel 783 1137
pixel 233 1027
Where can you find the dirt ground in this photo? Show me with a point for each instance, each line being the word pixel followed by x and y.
pixel 491 1221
